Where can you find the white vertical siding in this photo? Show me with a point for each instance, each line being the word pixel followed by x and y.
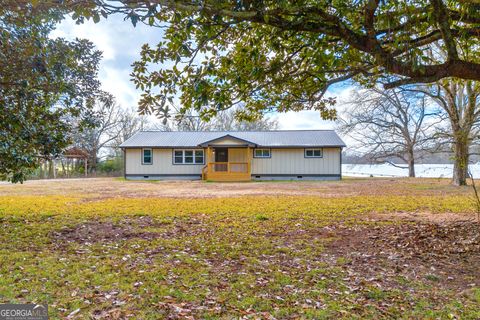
pixel 293 161
pixel 162 163
pixel 282 162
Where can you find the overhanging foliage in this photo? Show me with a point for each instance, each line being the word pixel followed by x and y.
pixel 284 55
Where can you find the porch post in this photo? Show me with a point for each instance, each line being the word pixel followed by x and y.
pixel 208 158
pixel 249 160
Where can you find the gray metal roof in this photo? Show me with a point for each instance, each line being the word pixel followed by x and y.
pixel 280 138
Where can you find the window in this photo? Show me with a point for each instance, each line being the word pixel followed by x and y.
pixel 262 153
pixel 198 156
pixel 313 153
pixel 178 156
pixel 188 157
pixel 147 156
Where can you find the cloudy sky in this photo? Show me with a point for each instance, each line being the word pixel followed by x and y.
pixel 120 43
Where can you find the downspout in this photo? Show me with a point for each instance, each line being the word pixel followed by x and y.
pixel 341 149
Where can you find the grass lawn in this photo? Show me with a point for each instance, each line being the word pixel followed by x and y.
pixel 359 248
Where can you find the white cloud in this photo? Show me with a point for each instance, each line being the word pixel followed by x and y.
pixel 116 81
pixel 97 33
pixel 120 43
pixel 302 120
pixel 311 119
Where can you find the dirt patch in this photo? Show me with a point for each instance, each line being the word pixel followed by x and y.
pixel 129 228
pixel 447 255
pixel 105 231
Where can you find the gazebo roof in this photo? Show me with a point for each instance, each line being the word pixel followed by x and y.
pixel 75 152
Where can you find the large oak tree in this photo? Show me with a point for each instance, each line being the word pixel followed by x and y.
pixel 283 55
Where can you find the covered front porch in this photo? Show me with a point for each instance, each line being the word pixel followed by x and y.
pixel 228 159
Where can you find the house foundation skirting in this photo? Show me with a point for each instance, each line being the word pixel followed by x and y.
pixel 299 177
pixel 256 177
pixel 163 176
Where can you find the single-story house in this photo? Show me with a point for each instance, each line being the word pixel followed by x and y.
pixel 234 155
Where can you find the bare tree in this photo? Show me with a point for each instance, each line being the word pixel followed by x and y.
pixel 186 120
pixel 226 120
pixel 129 123
pixel 390 125
pixel 190 121
pixel 105 128
pixel 460 101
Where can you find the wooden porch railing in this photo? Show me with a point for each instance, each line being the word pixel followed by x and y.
pixel 226 171
pixel 229 167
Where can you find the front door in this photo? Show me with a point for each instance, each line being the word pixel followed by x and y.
pixel 221 154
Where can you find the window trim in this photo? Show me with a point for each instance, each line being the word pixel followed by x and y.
pixel 143 157
pixel 312 157
pixel 262 157
pixel 183 163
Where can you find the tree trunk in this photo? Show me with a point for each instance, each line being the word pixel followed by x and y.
pixel 40 171
pixel 460 166
pixel 94 165
pixel 51 168
pixel 410 159
pixel 63 168
pixel 93 161
pixel 411 168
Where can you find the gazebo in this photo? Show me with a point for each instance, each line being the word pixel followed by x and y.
pixel 73 154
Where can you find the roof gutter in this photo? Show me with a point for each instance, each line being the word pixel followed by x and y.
pixel 236 145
